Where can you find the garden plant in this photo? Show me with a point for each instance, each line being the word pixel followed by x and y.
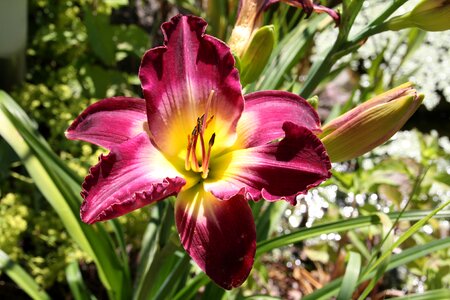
pixel 252 149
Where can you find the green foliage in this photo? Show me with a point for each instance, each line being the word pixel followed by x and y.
pixel 13 222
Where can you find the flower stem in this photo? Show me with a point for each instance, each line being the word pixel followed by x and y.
pixel 343 46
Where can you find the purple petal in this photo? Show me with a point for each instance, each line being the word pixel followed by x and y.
pixel 132 175
pixel 273 171
pixel 109 122
pixel 308 6
pixel 220 236
pixel 333 14
pixel 266 111
pixel 177 80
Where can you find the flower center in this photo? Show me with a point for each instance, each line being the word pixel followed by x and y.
pixel 191 161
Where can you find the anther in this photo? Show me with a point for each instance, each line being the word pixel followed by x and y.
pixel 200 128
pixel 205 166
pixel 191 161
pixel 194 160
pixel 209 121
pixel 212 139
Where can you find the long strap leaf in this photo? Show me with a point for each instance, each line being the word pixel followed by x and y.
pixel 21 278
pixel 337 226
pixel 59 188
pixel 408 255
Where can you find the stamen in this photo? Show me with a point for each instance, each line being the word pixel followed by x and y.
pixel 191 161
pixel 205 166
pixel 187 164
pixel 194 165
pixel 200 122
pixel 212 139
pixel 209 121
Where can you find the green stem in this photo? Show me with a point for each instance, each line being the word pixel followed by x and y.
pixel 341 48
pixel 388 12
pixel 318 72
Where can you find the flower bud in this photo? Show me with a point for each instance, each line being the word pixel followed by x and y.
pixel 248 20
pixel 257 54
pixel 429 15
pixel 370 124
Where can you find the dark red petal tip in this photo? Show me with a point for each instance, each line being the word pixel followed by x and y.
pixel 220 236
pixel 132 175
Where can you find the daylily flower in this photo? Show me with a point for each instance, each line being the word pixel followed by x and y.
pixel 194 136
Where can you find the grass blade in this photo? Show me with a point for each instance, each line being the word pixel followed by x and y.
pixel 287 53
pixel 76 283
pixel 387 241
pixel 350 280
pixel 413 229
pixel 429 295
pixel 405 257
pixel 190 290
pixel 338 226
pixel 60 188
pixel 21 278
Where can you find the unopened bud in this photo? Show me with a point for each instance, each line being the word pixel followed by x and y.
pixel 257 54
pixel 370 124
pixel 429 15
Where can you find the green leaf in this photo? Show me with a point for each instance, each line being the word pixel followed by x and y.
pixel 350 280
pixel 100 36
pixel 61 189
pixel 21 278
pixel 260 297
pixel 443 178
pixel 257 54
pixel 428 295
pixel 269 219
pixel 288 53
pixel 216 16
pixel 167 288
pixel 406 256
pixel 359 245
pixel 212 291
pixel 386 244
pixel 76 283
pixel 166 261
pixel 132 39
pixel 191 288
pixel 116 3
pixel 337 226
pixel 413 229
pixel 163 266
pixel 149 245
pixel 98 80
